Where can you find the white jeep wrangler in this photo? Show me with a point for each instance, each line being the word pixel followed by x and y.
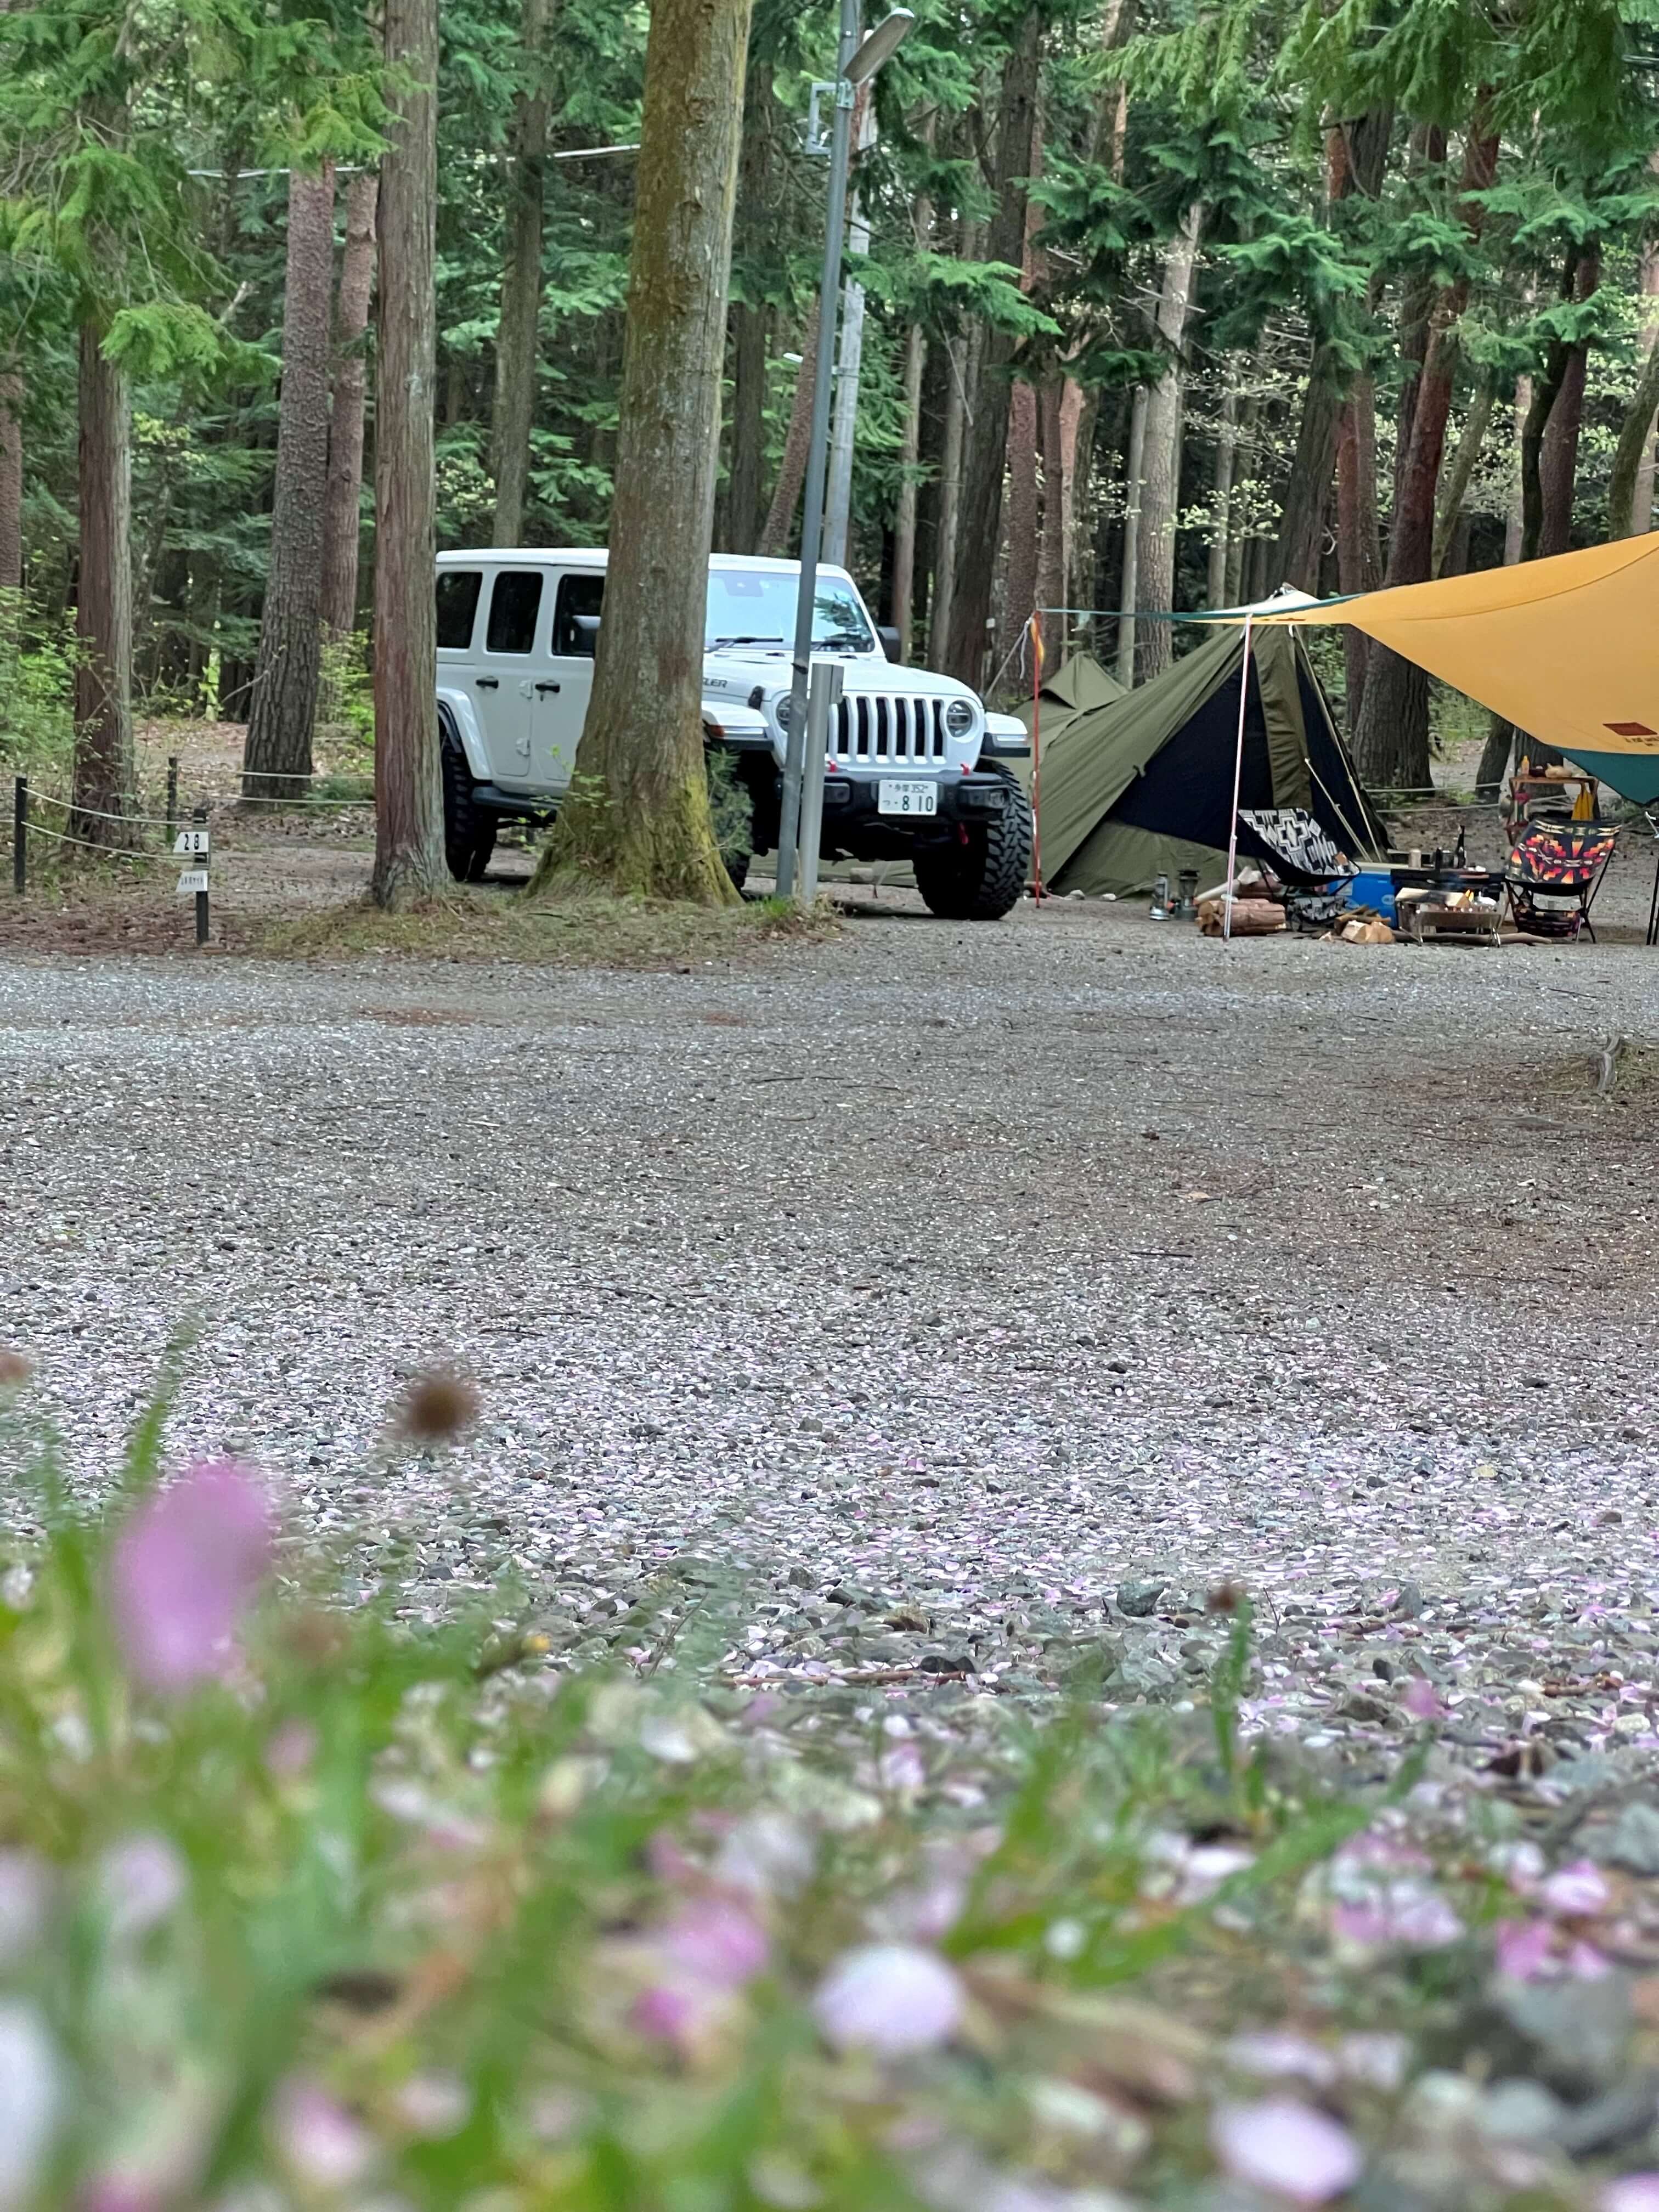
pixel 916 767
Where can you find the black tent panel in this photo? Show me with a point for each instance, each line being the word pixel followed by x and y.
pixel 1185 790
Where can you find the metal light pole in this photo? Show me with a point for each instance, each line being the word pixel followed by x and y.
pixel 854 64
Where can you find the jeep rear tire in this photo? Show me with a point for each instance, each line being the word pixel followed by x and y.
pixel 980 876
pixel 468 829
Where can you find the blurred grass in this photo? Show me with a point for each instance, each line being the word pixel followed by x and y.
pixel 371 1919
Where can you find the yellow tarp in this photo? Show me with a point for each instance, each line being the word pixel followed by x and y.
pixel 1566 649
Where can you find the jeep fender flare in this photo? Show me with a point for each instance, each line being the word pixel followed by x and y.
pixel 463 720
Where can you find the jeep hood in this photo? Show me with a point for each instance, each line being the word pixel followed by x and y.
pixel 738 670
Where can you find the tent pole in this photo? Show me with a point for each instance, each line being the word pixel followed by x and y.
pixel 1238 774
pixel 1036 758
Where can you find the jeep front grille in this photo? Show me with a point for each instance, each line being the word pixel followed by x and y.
pixel 878 727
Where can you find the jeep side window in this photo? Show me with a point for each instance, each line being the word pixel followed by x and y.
pixel 576 618
pixel 513 606
pixel 458 607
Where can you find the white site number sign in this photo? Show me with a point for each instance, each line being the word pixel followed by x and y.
pixel 192 845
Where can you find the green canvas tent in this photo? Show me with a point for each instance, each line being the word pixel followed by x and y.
pixel 1143 785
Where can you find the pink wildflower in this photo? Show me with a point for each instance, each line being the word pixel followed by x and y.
pixel 182 1571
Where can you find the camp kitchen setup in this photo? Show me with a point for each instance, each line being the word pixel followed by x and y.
pixel 1224 789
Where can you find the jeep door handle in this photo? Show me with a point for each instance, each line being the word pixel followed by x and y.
pixel 542 688
pixel 487 683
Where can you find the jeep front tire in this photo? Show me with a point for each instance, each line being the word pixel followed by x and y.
pixel 980 875
pixel 468 829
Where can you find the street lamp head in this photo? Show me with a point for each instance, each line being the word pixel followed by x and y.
pixel 883 43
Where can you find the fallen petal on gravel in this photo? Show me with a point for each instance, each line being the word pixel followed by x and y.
pixel 1286 2147
pixel 890 1998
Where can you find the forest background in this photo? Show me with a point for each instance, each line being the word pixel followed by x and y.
pixel 1153 305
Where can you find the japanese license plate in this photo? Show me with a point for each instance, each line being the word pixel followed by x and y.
pixel 894 798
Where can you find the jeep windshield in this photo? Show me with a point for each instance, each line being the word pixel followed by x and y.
pixel 748 606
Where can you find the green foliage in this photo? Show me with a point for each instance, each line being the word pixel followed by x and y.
pixel 38 660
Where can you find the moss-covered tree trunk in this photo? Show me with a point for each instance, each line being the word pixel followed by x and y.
pixel 516 346
pixel 103 607
pixel 637 817
pixel 277 755
pixel 409 820
pixel 343 500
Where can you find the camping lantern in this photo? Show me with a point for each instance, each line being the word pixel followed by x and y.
pixel 1161 909
pixel 1187 905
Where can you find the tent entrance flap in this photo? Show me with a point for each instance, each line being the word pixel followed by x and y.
pixel 1143 785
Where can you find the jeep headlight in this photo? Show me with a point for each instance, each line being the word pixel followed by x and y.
pixel 960 718
pixel 782 709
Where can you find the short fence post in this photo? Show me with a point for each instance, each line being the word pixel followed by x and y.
pixel 20 829
pixel 200 818
pixel 173 795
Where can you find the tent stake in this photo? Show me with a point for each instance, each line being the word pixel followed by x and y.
pixel 1238 776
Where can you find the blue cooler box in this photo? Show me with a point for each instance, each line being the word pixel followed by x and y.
pixel 1374 887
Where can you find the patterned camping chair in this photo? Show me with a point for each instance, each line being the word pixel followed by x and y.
pixel 1555 870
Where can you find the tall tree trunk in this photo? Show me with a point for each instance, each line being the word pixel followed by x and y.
pixel 1059 409
pixel 1160 465
pixel 1355 156
pixel 1025 518
pixel 11 481
pixel 798 440
pixel 904 524
pixel 1391 736
pixel 957 363
pixel 342 499
pixel 1358 540
pixel 987 438
pixel 1641 516
pixel 1460 473
pixel 1631 491
pixel 514 412
pixel 1542 394
pixel 638 819
pixel 745 511
pixel 1516 528
pixel 1129 584
pixel 277 753
pixel 1108 127
pixel 409 821
pixel 1558 461
pixel 1300 548
pixel 103 614
pixel 1226 454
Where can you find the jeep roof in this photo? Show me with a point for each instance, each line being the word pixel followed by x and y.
pixel 598 556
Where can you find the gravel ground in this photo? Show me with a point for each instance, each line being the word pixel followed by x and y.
pixel 948 1310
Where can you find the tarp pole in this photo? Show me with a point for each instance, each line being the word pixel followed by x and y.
pixel 1238 775
pixel 1036 758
